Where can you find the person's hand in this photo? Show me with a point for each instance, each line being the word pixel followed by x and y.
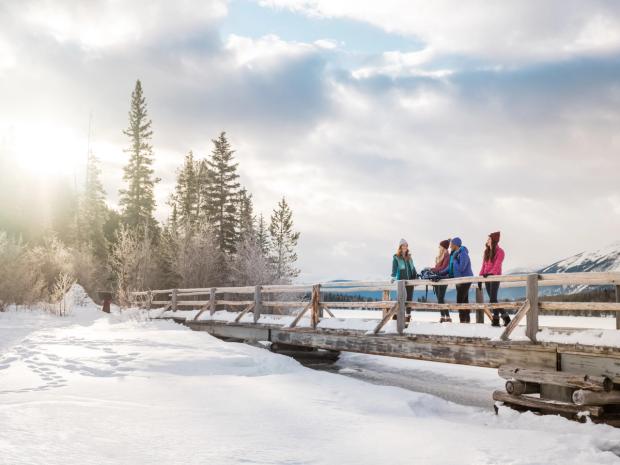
pixel 392 279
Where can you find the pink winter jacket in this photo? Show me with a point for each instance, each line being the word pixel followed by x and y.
pixel 493 267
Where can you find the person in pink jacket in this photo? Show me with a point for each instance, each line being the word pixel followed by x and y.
pixel 492 266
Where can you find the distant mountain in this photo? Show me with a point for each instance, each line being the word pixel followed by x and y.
pixel 605 259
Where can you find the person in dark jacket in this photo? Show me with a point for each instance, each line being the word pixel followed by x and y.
pixel 458 267
pixel 441 262
pixel 403 268
pixel 492 266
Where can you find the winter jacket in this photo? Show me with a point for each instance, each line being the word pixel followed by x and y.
pixel 494 266
pixel 403 269
pixel 460 264
pixel 445 261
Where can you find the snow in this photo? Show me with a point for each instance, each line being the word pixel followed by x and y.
pixel 120 389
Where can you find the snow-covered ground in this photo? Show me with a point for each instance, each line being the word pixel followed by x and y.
pixel 119 389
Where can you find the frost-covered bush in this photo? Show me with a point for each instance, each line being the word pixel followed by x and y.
pixel 20 283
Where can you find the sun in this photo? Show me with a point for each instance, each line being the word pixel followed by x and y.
pixel 48 151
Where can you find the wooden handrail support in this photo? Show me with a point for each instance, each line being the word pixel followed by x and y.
pixel 387 317
pixel 515 320
pixel 246 310
pixel 299 315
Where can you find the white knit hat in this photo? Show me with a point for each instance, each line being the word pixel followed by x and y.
pixel 402 242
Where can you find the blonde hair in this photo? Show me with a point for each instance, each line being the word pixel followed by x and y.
pixel 442 254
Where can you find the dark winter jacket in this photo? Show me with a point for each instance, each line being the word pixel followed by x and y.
pixel 443 264
pixel 403 269
pixel 460 264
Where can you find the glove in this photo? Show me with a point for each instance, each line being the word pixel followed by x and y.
pixel 392 279
pixel 480 285
pixel 486 275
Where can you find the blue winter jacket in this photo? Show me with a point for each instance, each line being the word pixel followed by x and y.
pixel 403 269
pixel 460 264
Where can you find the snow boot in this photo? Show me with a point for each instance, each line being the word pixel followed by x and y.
pixel 495 321
pixel 442 320
pixel 448 320
pixel 506 319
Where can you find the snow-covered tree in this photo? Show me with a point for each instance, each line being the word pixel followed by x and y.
pixel 137 200
pixel 283 242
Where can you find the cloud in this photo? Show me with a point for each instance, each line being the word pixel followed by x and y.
pixel 501 32
pixel 367 147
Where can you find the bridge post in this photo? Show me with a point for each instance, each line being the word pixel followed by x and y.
pixel 479 300
pixel 212 301
pixel 617 313
pixel 316 305
pixel 149 299
pixel 174 300
pixel 258 302
pixel 531 329
pixel 401 296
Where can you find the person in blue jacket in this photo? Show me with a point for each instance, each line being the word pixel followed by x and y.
pixel 458 267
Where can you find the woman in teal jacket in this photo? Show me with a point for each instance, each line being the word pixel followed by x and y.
pixel 403 268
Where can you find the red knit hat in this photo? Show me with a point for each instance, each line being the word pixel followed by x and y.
pixel 494 236
pixel 445 243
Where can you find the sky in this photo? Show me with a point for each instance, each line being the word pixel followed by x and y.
pixel 376 120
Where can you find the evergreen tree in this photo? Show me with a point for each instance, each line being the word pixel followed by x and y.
pixel 93 213
pixel 245 216
pixel 262 236
pixel 220 194
pixel 185 199
pixel 283 242
pixel 137 200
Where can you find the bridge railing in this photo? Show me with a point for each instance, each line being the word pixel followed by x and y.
pixel 260 299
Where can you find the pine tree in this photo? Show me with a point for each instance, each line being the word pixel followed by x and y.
pixel 245 216
pixel 93 212
pixel 283 242
pixel 262 236
pixel 220 194
pixel 137 200
pixel 185 199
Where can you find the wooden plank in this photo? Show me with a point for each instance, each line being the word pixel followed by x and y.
pixel 246 310
pixel 591 364
pixel 315 304
pixel 471 306
pixel 293 303
pixel 375 304
pixel 282 289
pixel 202 310
pixel 234 303
pixel 401 296
pixel 385 297
pixel 258 303
pixel 212 304
pixel 387 317
pixel 479 300
pixel 576 306
pixel 617 300
pixel 235 290
pixel 477 353
pixel 346 290
pixel 558 378
pixel 329 312
pixel 546 406
pixel 515 321
pixel 584 397
pixel 531 292
pixel 299 315
pixel 517 388
pixel 173 299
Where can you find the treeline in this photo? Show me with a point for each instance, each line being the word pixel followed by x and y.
pixel 212 237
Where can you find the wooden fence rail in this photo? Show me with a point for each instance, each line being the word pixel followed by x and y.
pixel 528 308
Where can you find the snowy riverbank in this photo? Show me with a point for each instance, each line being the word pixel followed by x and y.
pixel 117 389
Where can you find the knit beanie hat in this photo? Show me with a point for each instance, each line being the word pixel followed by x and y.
pixel 445 243
pixel 494 236
pixel 457 241
pixel 402 242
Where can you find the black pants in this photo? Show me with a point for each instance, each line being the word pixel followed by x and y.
pixel 462 297
pixel 440 292
pixel 492 290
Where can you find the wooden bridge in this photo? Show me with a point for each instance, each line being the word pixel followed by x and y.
pixel 544 372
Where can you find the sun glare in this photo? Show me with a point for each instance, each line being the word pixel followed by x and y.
pixel 52 152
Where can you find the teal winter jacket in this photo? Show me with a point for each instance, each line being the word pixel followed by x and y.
pixel 403 269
